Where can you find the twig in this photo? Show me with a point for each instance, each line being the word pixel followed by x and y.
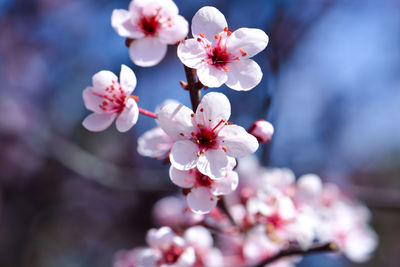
pixel 192 86
pixel 317 248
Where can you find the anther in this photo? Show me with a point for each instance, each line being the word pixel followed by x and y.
pixel 202 35
pixel 192 115
pixel 226 29
pixel 243 53
pixel 224 148
pixel 198 40
pixel 202 109
pixel 182 134
pixel 216 37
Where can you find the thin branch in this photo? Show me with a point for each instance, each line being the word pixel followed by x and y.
pixel 317 248
pixel 193 87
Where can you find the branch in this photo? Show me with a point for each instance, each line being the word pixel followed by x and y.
pixel 317 248
pixel 193 87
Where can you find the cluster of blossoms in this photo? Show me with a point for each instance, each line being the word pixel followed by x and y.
pixel 268 211
pixel 271 212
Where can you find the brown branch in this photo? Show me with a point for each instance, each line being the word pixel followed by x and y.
pixel 317 248
pixel 193 87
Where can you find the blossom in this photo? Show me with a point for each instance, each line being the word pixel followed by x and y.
pixel 152 25
pixel 205 139
pixel 202 242
pixel 221 56
pixel 203 196
pixel 166 249
pixel 110 99
pixel 262 130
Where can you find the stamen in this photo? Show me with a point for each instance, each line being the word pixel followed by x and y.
pixel 219 123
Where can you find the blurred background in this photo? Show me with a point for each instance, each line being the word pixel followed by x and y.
pixel 69 197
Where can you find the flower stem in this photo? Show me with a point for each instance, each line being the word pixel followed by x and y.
pixel 147 113
pixel 317 248
pixel 192 86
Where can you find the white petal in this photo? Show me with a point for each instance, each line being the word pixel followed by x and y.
pixel 309 187
pixel 175 119
pixel 147 52
pixel 98 122
pixel 213 163
pixel 165 8
pixel 187 258
pixel 148 258
pixel 211 76
pixel 183 155
pixel 176 30
pixel 184 179
pixel 225 185
pixel 121 21
pixel 244 75
pixel 200 200
pixel 127 79
pixel 191 52
pixel 128 116
pixel 238 141
pixel 160 237
pixel 208 20
pixel 199 236
pixel 154 143
pixel 103 79
pixel 92 102
pixel 251 41
pixel 216 107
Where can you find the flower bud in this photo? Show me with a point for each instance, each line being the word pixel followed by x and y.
pixel 262 130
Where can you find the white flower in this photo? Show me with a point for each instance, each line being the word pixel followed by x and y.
pixel 220 56
pixel 203 196
pixel 166 249
pixel 201 240
pixel 262 130
pixel 205 140
pixel 110 99
pixel 152 25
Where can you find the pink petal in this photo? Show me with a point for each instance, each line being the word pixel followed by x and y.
pixel 213 163
pixel 225 185
pixel 127 79
pixel 199 236
pixel 103 79
pixel 92 102
pixel 147 52
pixel 176 121
pixel 209 21
pixel 191 52
pixel 184 179
pixel 154 143
pixel 175 31
pixel 121 21
pixel 244 75
pixel 201 201
pixel 216 107
pixel 98 122
pixel 183 155
pixel 251 41
pixel 128 116
pixel 238 142
pixel 211 76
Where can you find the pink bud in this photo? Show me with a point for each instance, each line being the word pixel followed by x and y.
pixel 262 130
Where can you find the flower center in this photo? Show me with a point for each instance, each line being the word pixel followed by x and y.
pixel 218 55
pixel 276 221
pixel 203 180
pixel 171 254
pixel 149 25
pixel 206 138
pixel 114 98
